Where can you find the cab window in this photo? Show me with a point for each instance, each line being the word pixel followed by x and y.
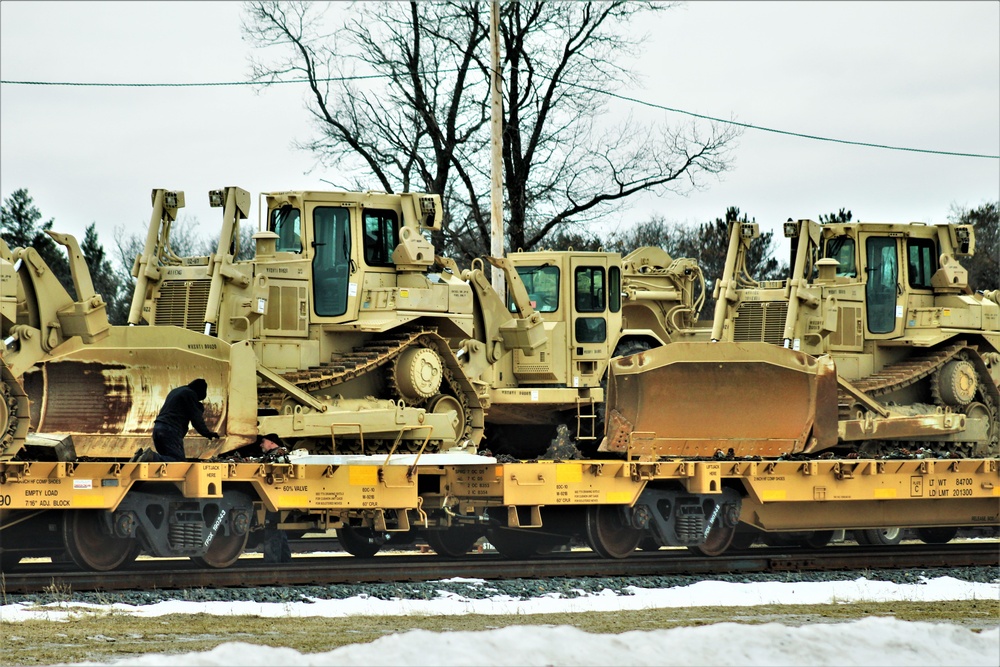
pixel 589 297
pixel 332 260
pixel 590 289
pixel 381 237
pixel 880 292
pixel 841 248
pixel 921 259
pixel 286 223
pixel 614 289
pixel 542 285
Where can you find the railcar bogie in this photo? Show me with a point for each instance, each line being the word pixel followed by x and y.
pixel 103 513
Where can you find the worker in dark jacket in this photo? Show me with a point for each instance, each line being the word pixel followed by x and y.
pixel 182 407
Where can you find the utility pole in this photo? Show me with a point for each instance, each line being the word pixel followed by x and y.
pixel 496 162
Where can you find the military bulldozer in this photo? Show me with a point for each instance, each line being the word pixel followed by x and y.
pixel 40 321
pixel 595 306
pixel 339 334
pixel 345 333
pixel 874 345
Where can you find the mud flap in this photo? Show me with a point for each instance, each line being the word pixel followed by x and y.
pixel 744 399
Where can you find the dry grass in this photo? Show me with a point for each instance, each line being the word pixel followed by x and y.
pixel 97 636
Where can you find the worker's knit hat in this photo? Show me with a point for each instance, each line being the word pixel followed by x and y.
pixel 200 388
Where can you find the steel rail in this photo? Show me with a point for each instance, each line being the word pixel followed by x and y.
pixel 35 578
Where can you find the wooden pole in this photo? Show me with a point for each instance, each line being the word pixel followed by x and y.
pixel 496 162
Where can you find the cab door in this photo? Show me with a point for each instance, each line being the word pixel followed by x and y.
pixel 332 263
pixel 884 291
pixel 596 317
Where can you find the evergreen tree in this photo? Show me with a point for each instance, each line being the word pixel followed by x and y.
pixel 106 282
pixel 20 228
pixel 842 215
pixel 713 244
pixel 984 272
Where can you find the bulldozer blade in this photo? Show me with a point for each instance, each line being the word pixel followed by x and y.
pixel 743 399
pixel 106 395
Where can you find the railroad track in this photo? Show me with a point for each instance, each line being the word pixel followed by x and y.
pixel 33 578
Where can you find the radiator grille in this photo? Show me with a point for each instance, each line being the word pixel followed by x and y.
pixel 760 321
pixel 182 303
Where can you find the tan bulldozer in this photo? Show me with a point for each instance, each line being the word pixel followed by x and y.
pixel 340 333
pixel 40 321
pixel 874 345
pixel 343 332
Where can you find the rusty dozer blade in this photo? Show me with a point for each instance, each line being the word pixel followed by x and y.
pixel 694 399
pixel 106 395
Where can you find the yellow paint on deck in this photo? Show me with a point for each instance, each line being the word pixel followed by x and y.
pixel 569 472
pixel 363 475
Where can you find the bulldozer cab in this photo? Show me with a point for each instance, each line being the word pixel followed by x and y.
pixel 848 283
pixel 890 266
pixel 352 242
pixel 902 269
pixel 579 296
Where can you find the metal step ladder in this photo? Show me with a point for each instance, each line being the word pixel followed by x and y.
pixel 586 419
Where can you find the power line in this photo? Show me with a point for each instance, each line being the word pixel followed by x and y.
pixel 197 84
pixel 786 132
pixel 625 98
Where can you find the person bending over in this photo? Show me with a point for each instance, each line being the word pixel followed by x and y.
pixel 182 409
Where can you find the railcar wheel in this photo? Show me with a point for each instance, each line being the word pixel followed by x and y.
pixel 937 535
pixel 453 542
pixel 360 542
pixel 886 537
pixel 90 547
pixel 223 552
pixel 719 539
pixel 722 532
pixel 608 533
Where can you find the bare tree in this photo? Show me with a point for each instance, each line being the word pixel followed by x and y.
pixel 678 240
pixel 421 119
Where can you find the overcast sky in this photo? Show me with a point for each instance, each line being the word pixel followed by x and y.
pixel 917 75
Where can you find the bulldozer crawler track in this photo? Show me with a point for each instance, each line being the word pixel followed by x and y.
pixel 905 373
pixel 900 375
pixel 376 355
pixel 14 413
pixel 361 361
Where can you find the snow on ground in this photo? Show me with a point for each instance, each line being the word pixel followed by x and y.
pixel 869 641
